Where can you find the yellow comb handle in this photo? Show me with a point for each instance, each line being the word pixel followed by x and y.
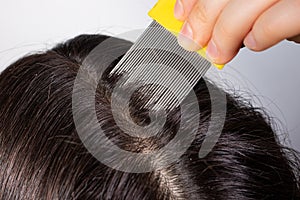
pixel 163 13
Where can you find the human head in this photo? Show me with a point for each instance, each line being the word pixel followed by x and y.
pixel 42 156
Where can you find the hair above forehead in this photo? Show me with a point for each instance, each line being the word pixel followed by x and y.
pixel 42 156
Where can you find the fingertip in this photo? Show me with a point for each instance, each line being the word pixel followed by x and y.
pixel 215 54
pixel 250 42
pixel 179 10
pixel 183 8
pixel 253 44
pixel 212 52
pixel 188 43
pixel 186 38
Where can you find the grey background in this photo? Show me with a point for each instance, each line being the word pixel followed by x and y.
pixel 269 79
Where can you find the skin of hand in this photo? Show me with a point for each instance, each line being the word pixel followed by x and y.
pixel 223 25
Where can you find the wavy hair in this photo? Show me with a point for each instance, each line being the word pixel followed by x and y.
pixel 42 156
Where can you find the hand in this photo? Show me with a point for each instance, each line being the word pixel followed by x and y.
pixel 223 25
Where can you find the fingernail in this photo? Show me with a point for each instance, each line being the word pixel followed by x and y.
pixel 212 51
pixel 178 10
pixel 250 41
pixel 185 38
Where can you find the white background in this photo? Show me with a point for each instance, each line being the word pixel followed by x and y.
pixel 270 78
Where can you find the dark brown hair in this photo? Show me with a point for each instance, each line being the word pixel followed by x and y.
pixel 42 157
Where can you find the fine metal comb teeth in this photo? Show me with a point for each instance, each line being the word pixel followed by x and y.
pixel 157 60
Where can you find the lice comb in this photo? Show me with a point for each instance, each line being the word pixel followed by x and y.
pixel 156 59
